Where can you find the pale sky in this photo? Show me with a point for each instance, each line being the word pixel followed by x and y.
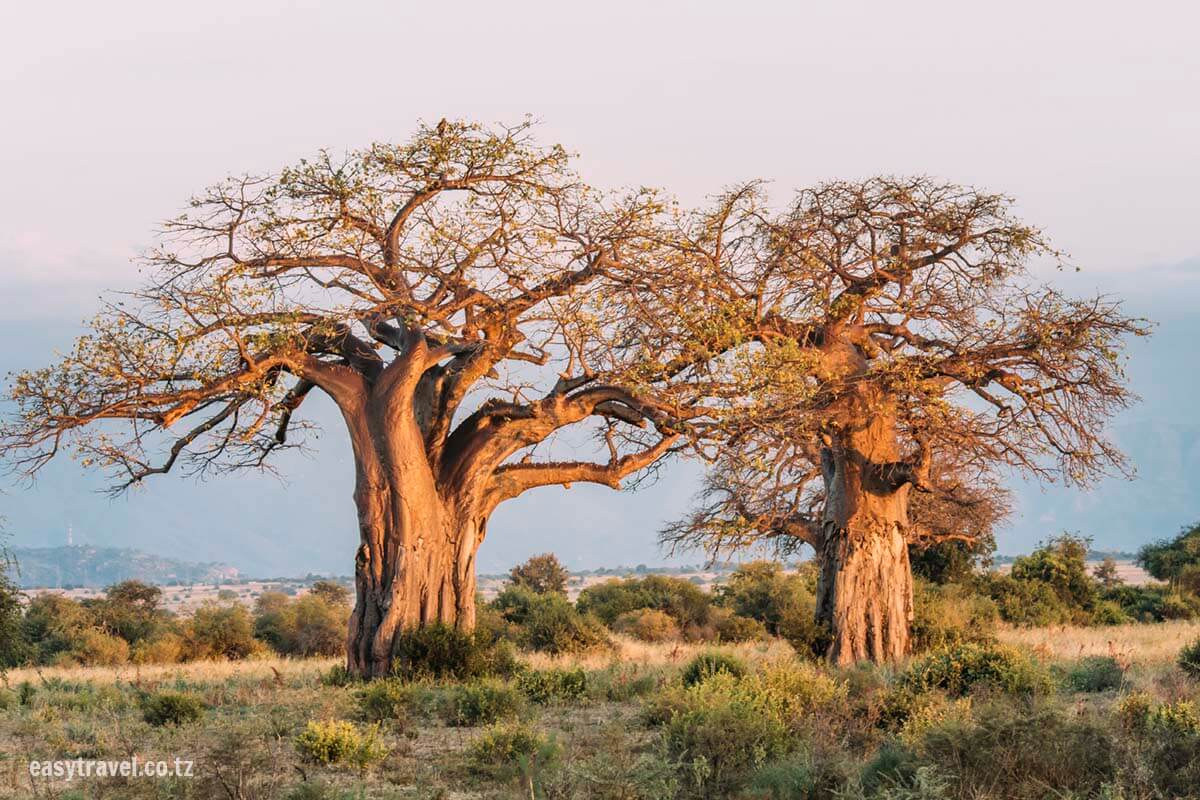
pixel 1087 113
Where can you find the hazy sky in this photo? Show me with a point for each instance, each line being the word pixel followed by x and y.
pixel 1087 113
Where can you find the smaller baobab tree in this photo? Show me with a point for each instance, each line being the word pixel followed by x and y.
pixel 876 340
pixel 453 295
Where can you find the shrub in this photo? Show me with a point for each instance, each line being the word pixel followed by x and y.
pixel 442 651
pixel 553 685
pixel 337 675
pixel 720 737
pixel 313 625
pixel 1094 674
pixel 549 623
pixel 959 669
pixel 732 628
pixel 510 747
pixel 131 610
pixel 1167 559
pixel 1189 659
pixel 647 625
pixel 542 574
pixel 391 700
pixel 482 702
pixel 1043 752
pixel 949 615
pixel 762 591
pixel 1180 606
pixel 95 648
pixel 332 743
pixel 685 602
pixel 59 630
pixel 1149 603
pixel 723 729
pixel 166 648
pixel 1028 603
pixel 705 665
pixel 1061 563
pixel 172 708
pixel 220 631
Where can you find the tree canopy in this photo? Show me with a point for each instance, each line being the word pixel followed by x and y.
pixel 904 300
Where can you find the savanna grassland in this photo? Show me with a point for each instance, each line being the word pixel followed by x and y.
pixel 641 721
pixel 1047 681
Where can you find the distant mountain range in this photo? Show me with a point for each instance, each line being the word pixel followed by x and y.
pixel 83 565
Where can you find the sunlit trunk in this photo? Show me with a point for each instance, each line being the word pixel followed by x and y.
pixel 864 595
pixel 415 563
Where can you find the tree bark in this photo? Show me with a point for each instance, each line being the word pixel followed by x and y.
pixel 864 594
pixel 415 563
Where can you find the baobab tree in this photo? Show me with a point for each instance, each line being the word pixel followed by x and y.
pixel 453 296
pixel 876 339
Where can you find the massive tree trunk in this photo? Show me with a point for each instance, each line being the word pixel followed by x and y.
pixel 415 563
pixel 865 593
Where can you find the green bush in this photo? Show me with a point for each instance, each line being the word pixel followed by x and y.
pixel 723 729
pixel 542 574
pixel 1189 659
pixel 949 615
pixel 1094 674
pixel 220 631
pixel 442 651
pixel 511 748
pixel 1150 603
pixel 1176 605
pixel 720 738
pixel 337 675
pixel 335 742
pixel 549 623
pixel 482 702
pixel 172 708
pixel 957 670
pixel 705 665
pixel 312 625
pixel 553 685
pixel 762 591
pixel 1027 603
pixel 393 700
pixel 682 600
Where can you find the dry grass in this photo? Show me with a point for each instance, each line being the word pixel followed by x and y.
pixel 1144 644
pixel 196 671
pixel 632 651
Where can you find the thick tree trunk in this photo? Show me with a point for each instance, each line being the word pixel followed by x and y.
pixel 406 578
pixel 415 563
pixel 864 595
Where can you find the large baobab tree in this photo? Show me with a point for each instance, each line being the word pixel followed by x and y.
pixel 453 296
pixel 878 339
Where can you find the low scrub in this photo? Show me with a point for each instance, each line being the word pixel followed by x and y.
pixel 723 729
pixel 340 743
pixel 172 708
pixel 511 748
pixel 706 665
pixel 1023 753
pixel 553 685
pixel 1094 674
pixel 1189 659
pixel 957 670
pixel 442 651
pixel 482 702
